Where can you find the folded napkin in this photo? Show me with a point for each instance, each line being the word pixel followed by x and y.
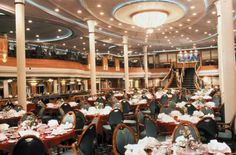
pixel 66 126
pixel 210 104
pixel 181 104
pixel 52 123
pixel 73 104
pixel 198 113
pixel 4 127
pixel 23 133
pixel 207 97
pixel 2 137
pixel 175 113
pixel 166 118
pixel 216 147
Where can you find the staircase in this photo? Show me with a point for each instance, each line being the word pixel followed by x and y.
pixel 188 81
pixel 174 82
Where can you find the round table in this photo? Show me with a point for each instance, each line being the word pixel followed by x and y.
pixel 48 142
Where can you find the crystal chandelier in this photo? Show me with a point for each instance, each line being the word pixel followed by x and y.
pixel 150 19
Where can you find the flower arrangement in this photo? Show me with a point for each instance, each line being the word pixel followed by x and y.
pixel 98 105
pixel 186 139
pixel 30 122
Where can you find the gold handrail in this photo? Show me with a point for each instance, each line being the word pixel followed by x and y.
pixel 197 79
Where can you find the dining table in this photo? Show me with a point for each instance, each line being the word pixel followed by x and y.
pixel 49 138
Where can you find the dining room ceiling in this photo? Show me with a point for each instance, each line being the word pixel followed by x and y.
pixel 64 22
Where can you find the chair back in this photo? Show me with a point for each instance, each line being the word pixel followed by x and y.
pixel 29 145
pixel 65 108
pixel 39 109
pixel 18 108
pixel 122 136
pixel 69 118
pixel 150 127
pixel 207 110
pixel 207 128
pixel 182 127
pixel 100 99
pixel 190 108
pixel 125 106
pixel 166 109
pixel 115 117
pixel 216 99
pixel 174 98
pixel 164 99
pixel 154 107
pixel 80 119
pixel 87 141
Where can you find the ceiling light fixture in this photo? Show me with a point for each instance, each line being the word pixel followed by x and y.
pixel 149 19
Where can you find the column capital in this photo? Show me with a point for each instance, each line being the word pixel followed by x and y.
pixel 145 48
pixel 125 40
pixel 20 2
pixel 91 25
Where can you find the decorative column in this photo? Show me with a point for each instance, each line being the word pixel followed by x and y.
pixel 33 88
pixel 105 62
pixel 55 91
pixel 63 86
pixel 145 63
pixel 5 89
pixel 20 51
pixel 49 85
pixel 117 64
pixel 85 85
pixel 126 63
pixel 226 56
pixel 91 26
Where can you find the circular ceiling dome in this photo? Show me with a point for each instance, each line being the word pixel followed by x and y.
pixel 149 14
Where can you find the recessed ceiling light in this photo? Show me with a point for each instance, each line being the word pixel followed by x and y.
pixel 213 12
pixel 133 27
pixel 182 35
pixel 171 27
pixel 166 37
pixel 101 13
pixel 84 48
pixel 120 24
pixel 110 39
pixel 28 29
pixel 81 38
pixel 111 19
pixel 104 44
pixel 38 39
pixel 192 7
pixel 37 35
pixel 176 31
pixel 126 31
pixel 79 11
pixel 208 21
pixel 100 28
pixel 64 44
pixel 205 32
pixel 99 5
pixel 189 27
pixel 84 43
pixel 59 30
pixel 58 37
pixel 57 10
pixel 30 21
pixel 163 33
pixel 2 14
pixel 109 26
pixel 11 32
pixel 188 20
pixel 194 14
pixel 74 46
pixel 180 25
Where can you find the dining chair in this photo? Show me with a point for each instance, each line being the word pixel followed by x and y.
pixel 207 128
pixel 86 143
pixel 115 117
pixel 27 116
pixel 178 131
pixel 150 128
pixel 190 108
pixel 217 100
pixel 80 121
pixel 166 109
pixel 164 99
pixel 64 108
pixel 29 145
pixel 153 108
pixel 207 110
pixel 122 136
pixel 126 109
pixel 226 131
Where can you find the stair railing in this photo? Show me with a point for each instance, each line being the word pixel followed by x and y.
pixel 167 77
pixel 180 77
pixel 197 80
